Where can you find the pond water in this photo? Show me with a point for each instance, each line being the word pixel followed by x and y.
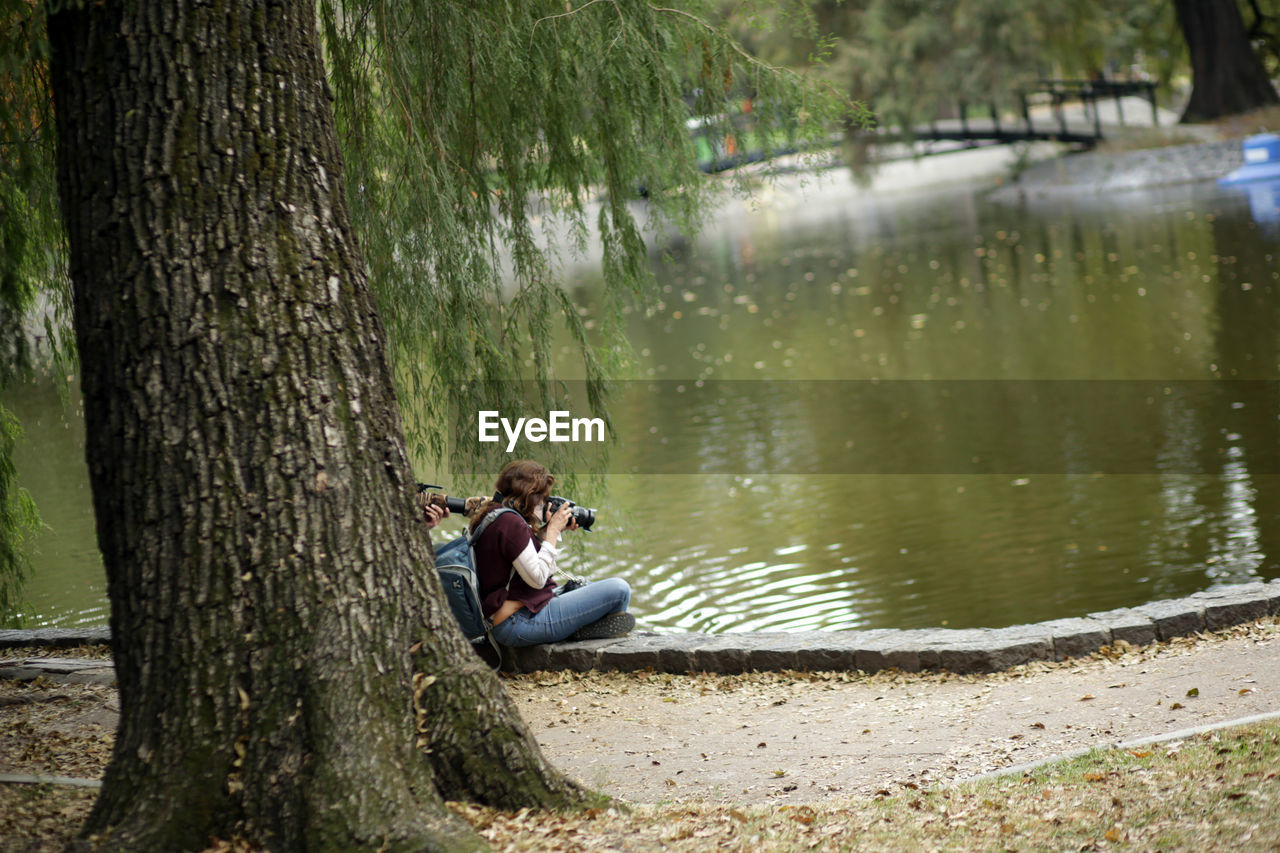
pixel 855 410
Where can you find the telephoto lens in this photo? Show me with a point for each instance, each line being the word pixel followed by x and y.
pixel 455 505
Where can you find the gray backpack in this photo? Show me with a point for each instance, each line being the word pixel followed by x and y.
pixel 456 566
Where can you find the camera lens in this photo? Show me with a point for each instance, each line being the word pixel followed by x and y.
pixel 585 517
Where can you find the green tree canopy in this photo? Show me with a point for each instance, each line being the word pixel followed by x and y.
pixel 912 60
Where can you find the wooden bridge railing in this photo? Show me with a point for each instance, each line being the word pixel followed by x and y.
pixel 1089 92
pixel 718 154
pixel 987 127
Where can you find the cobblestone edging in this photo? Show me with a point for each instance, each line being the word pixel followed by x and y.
pixel 957 650
pixel 60 638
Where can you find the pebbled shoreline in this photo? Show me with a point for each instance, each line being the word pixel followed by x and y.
pixel 1098 172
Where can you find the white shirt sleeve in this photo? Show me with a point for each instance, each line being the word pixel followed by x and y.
pixel 536 566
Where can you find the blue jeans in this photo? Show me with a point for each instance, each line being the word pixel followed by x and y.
pixel 565 613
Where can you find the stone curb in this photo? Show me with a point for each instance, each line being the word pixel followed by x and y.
pixel 62 638
pixel 62 670
pixel 28 779
pixel 957 650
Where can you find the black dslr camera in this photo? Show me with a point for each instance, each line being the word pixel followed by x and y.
pixel 585 517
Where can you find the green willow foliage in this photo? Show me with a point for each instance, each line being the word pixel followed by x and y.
pixel 472 133
pixel 18 519
pixel 31 279
pixel 31 248
pixel 482 140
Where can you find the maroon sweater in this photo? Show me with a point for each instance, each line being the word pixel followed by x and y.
pixel 496 552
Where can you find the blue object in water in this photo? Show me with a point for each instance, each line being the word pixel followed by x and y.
pixel 1261 160
pixel 1264 201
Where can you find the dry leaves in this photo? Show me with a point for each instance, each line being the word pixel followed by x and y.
pixel 1142 799
pixel 1221 800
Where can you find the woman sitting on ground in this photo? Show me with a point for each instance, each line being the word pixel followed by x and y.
pixel 516 557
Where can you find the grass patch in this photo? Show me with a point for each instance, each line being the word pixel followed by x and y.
pixel 1121 140
pixel 1247 124
pixel 1216 791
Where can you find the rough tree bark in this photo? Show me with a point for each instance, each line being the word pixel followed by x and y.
pixel 1226 75
pixel 267 568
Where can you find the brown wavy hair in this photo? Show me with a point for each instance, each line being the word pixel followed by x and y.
pixel 520 485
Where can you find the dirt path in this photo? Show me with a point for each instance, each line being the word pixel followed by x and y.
pixel 796 737
pixel 803 738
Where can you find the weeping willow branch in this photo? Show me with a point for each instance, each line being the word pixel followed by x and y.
pixel 507 112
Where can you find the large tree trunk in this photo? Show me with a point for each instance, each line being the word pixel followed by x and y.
pixel 1226 76
pixel 267 568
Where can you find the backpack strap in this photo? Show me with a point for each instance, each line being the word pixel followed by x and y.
pixel 471 542
pixel 497 650
pixel 486 521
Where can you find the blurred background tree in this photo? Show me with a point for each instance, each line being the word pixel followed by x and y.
pixel 913 60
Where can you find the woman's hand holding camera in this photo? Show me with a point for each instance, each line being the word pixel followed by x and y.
pixel 562 519
pixel 434 514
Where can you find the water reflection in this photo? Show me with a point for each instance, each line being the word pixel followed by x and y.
pixel 1009 426
pixel 1173 293
pixel 68 586
pixel 1174 288
pixel 1264 202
